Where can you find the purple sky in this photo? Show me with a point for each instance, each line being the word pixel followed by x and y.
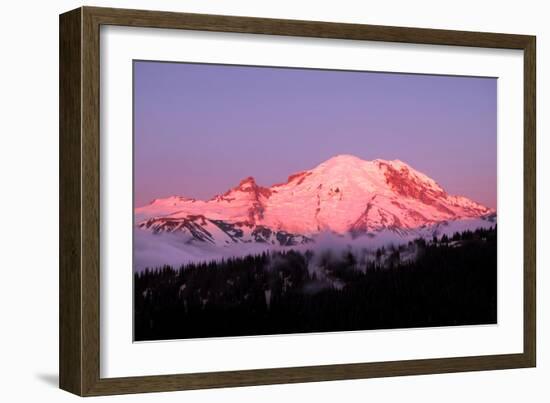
pixel 199 129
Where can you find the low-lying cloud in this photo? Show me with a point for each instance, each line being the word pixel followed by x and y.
pixel 176 249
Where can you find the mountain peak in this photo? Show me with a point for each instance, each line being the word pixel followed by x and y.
pixel 249 186
pixel 247 182
pixel 341 194
pixel 343 159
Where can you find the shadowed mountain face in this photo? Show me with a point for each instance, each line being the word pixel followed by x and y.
pixel 342 195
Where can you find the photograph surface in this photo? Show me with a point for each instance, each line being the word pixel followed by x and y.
pixel 273 200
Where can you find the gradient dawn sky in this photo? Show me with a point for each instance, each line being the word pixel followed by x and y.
pixel 199 129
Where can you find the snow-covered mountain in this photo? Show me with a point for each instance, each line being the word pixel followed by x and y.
pixel 344 194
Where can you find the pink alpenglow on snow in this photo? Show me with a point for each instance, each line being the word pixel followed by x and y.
pixel 343 195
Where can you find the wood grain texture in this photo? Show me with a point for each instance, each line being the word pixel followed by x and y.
pixel 530 202
pixel 90 202
pixel 70 314
pixel 80 201
pixel 317 29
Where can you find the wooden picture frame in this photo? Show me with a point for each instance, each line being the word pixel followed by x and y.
pixel 79 346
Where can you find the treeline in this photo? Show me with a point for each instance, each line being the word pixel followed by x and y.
pixel 450 281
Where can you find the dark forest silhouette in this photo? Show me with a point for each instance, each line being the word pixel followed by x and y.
pixel 450 281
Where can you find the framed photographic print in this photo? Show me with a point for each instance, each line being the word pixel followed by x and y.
pixel 249 201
